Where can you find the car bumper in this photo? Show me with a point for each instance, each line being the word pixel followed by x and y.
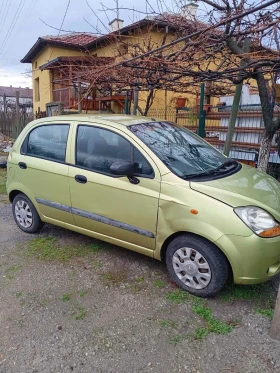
pixel 253 259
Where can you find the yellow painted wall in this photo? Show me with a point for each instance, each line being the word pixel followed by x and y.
pixel 44 76
pixel 111 50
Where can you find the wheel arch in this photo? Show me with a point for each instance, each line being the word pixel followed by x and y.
pixel 180 233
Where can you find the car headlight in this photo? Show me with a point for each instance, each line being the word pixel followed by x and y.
pixel 259 221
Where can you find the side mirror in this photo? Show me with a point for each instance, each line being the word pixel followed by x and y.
pixel 122 168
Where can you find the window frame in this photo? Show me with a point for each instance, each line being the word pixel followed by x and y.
pixel 132 147
pixel 24 145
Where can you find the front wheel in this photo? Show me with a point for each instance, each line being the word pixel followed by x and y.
pixel 25 214
pixel 196 265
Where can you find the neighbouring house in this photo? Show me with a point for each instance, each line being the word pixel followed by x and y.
pixel 8 99
pixel 54 58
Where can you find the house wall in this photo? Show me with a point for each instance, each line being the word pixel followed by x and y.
pixel 141 37
pixel 45 87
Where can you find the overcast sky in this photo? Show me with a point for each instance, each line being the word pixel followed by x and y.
pixel 20 27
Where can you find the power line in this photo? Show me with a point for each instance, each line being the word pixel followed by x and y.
pixel 25 17
pixel 3 19
pixel 65 13
pixel 12 26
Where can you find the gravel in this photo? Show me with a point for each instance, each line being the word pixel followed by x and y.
pixel 110 320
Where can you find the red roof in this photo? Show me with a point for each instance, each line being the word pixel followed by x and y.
pixel 11 92
pixel 79 38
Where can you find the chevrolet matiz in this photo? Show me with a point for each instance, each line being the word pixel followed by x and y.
pixel 153 187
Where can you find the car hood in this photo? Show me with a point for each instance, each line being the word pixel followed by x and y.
pixel 247 187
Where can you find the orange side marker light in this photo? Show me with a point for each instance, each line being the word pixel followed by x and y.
pixel 194 212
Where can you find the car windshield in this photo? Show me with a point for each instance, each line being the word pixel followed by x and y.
pixel 183 152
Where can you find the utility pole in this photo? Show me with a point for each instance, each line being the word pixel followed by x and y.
pixel 235 104
pixel 17 115
pixel 79 98
pixel 135 101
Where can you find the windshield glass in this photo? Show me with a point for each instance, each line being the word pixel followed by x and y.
pixel 183 152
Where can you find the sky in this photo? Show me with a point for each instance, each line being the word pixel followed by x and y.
pixel 20 27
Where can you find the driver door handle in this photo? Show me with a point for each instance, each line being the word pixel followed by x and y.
pixel 22 165
pixel 81 179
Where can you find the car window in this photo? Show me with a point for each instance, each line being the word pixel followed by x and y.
pixel 48 141
pixel 97 149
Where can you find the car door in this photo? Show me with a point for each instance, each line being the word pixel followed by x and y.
pixel 108 205
pixel 43 170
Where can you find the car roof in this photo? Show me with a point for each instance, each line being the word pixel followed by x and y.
pixel 117 119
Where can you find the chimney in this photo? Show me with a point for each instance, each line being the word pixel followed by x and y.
pixel 189 10
pixel 116 24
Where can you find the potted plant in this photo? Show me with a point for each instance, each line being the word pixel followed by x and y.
pixel 180 101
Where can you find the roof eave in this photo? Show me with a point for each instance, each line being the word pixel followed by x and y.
pixel 41 43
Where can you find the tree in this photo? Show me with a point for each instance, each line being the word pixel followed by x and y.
pixel 219 34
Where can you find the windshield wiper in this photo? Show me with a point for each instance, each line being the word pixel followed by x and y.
pixel 226 163
pixel 215 170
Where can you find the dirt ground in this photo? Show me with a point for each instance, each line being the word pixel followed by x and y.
pixel 69 303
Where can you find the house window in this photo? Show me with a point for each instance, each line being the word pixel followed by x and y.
pixel 37 89
pixel 123 49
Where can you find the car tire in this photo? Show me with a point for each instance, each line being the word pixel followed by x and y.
pixel 197 265
pixel 26 215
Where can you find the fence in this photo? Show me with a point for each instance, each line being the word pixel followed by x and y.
pixel 11 125
pixel 248 131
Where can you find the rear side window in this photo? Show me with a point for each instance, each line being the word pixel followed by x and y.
pixel 48 141
pixel 97 149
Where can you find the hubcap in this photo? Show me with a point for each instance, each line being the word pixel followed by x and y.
pixel 191 268
pixel 23 214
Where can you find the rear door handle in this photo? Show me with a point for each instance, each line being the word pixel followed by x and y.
pixel 81 179
pixel 22 165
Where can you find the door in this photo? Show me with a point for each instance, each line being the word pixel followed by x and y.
pixel 109 205
pixel 43 170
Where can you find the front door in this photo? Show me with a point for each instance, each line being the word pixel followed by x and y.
pixel 108 205
pixel 43 170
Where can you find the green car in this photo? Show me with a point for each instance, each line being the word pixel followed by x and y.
pixel 152 187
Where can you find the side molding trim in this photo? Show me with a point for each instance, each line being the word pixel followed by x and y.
pixel 95 217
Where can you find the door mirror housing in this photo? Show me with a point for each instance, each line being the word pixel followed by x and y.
pixel 122 168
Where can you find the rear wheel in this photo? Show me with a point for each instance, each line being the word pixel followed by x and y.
pixel 25 214
pixel 196 265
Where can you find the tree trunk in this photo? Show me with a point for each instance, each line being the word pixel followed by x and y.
pixel 264 152
pixel 149 102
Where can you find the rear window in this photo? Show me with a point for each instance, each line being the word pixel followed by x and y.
pixel 48 141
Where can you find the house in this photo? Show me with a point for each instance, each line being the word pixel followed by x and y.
pixel 8 98
pixel 59 64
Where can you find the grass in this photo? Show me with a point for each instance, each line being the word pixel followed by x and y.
pixel 81 314
pixel 159 284
pixel 201 333
pixel 212 324
pixel 268 312
pixel 176 339
pixel 83 293
pixel 3 179
pixel 48 249
pixel 178 296
pixel 18 294
pixel 115 278
pixel 97 264
pixel 249 292
pixel 139 279
pixel 168 324
pixel 66 297
pixel 11 271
